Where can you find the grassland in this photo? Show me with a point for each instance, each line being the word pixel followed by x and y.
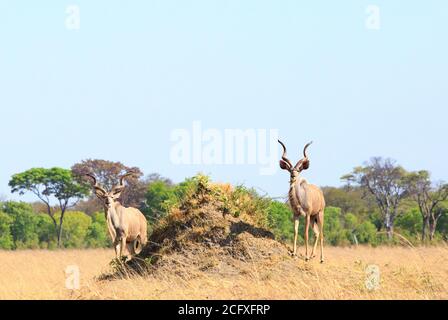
pixel 405 273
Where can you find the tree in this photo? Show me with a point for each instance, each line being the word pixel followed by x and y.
pixel 107 174
pixel 48 184
pixel 428 198
pixel 443 223
pixel 386 182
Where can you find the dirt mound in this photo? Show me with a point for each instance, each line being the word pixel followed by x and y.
pixel 203 234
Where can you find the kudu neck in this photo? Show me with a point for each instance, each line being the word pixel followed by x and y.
pixel 293 180
pixel 294 201
pixel 114 207
pixel 112 214
pixel 296 182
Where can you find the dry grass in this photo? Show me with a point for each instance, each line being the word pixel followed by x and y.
pixel 406 273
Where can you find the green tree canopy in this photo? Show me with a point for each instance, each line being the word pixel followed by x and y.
pixel 48 184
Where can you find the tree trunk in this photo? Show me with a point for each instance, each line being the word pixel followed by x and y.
pixel 390 232
pixel 59 236
pixel 388 223
pixel 61 220
pixel 425 227
pixel 432 229
pixel 52 218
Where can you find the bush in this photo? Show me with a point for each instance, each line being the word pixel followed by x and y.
pixel 161 197
pixel 280 221
pixel 245 203
pixel 333 231
pixel 24 224
pixel 75 229
pixel 350 221
pixel 158 194
pixel 46 231
pixel 366 233
pixel 97 236
pixel 410 223
pixel 6 239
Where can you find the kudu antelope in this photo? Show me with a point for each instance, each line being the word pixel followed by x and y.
pixel 125 225
pixel 306 200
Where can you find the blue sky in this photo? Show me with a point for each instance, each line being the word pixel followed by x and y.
pixel 135 71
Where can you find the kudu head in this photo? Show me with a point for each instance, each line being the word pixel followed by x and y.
pixel 301 165
pixel 108 198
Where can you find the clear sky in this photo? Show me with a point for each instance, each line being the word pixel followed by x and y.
pixel 134 71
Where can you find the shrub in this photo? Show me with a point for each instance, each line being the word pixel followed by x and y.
pixel 97 236
pixel 24 224
pixel 333 231
pixel 410 222
pixel 280 221
pixel 6 239
pixel 350 221
pixel 366 233
pixel 46 231
pixel 75 229
pixel 157 195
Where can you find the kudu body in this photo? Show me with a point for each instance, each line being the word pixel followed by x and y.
pixel 125 225
pixel 306 200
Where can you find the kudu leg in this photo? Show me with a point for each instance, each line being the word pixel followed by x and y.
pixel 122 246
pixel 296 233
pixel 320 222
pixel 117 248
pixel 315 228
pixel 307 227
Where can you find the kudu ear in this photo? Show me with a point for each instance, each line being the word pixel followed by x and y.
pixel 305 164
pixel 117 191
pixel 284 165
pixel 99 192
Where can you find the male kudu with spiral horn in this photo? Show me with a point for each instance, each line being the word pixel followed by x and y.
pixel 125 225
pixel 306 200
